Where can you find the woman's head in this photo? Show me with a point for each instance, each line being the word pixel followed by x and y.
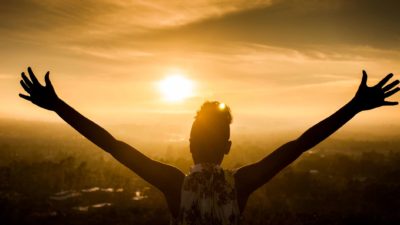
pixel 210 133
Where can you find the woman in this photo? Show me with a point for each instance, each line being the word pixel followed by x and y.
pixel 208 194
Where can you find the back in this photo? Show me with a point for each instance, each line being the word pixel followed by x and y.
pixel 208 197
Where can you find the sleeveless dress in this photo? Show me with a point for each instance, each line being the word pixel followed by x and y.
pixel 208 197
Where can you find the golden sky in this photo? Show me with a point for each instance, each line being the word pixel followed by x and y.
pixel 277 63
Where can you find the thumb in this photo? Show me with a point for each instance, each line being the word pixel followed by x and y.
pixel 47 79
pixel 364 79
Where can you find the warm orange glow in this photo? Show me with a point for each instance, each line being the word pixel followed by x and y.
pixel 176 88
pixel 163 57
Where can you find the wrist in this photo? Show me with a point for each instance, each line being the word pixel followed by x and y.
pixel 354 106
pixel 58 104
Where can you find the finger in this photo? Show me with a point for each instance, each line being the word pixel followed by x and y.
pixel 47 79
pixel 26 88
pixel 392 92
pixel 26 80
pixel 390 86
pixel 384 80
pixel 390 103
pixel 26 97
pixel 32 76
pixel 364 78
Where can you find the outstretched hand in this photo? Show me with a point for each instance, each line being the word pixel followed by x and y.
pixel 42 96
pixel 372 97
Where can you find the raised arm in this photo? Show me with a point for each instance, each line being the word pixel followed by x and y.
pixel 167 178
pixel 250 177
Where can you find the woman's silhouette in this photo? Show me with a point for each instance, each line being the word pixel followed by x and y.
pixel 208 194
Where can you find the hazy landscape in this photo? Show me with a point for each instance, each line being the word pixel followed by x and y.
pixel 51 175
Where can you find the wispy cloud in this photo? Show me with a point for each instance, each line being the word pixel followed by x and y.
pixel 106 27
pixel 303 24
pixel 73 20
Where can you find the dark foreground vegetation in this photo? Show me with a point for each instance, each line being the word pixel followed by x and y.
pixel 73 182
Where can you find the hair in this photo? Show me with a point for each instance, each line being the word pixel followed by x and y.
pixel 210 128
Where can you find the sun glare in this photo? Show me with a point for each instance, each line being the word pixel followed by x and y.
pixel 176 88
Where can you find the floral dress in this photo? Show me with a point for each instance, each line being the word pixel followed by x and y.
pixel 208 197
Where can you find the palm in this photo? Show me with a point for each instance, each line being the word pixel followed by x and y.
pixel 372 97
pixel 43 96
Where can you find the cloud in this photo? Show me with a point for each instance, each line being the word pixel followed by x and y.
pixel 300 25
pixel 110 29
pixel 91 19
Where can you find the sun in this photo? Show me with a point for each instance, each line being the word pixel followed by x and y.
pixel 176 88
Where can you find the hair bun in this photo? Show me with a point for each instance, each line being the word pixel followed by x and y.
pixel 214 111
